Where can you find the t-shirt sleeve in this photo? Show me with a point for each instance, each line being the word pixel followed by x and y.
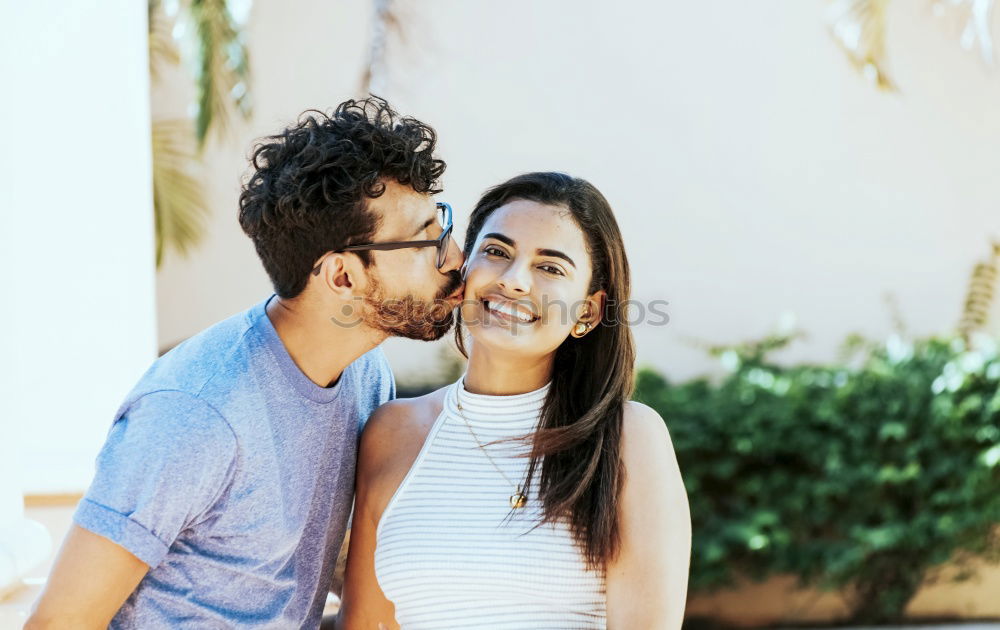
pixel 166 460
pixel 391 382
pixel 383 377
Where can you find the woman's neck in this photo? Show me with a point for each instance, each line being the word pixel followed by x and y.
pixel 500 374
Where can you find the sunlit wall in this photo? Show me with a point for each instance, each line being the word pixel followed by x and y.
pixel 77 323
pixel 754 172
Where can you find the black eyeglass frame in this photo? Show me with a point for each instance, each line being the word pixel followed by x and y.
pixel 440 242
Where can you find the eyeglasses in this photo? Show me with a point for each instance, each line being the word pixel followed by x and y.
pixel 444 218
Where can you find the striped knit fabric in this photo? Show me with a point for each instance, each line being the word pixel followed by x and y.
pixel 447 554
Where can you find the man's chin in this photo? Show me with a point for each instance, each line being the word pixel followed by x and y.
pixel 429 332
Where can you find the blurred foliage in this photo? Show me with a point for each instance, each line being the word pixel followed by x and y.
pixel 980 298
pixel 222 72
pixel 386 23
pixel 179 208
pixel 448 368
pixel 221 75
pixel 860 28
pixel 864 478
pixel 161 44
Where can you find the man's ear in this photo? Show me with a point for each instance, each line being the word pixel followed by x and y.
pixel 340 273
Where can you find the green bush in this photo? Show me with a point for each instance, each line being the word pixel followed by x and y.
pixel 867 475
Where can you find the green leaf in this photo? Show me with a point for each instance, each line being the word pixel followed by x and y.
pixel 222 69
pixel 178 202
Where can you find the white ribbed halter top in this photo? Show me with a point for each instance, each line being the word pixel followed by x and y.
pixel 448 556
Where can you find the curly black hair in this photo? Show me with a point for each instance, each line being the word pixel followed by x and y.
pixel 308 190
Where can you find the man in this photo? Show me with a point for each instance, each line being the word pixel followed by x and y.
pixel 224 488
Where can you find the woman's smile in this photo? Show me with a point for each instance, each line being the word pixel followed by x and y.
pixel 508 311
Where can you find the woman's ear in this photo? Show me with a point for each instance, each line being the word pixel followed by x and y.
pixel 595 308
pixel 591 315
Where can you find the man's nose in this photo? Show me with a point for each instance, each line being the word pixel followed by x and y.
pixel 454 259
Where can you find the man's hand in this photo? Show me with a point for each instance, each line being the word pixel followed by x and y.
pixel 91 579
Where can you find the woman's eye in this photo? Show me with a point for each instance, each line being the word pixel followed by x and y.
pixel 551 269
pixel 494 251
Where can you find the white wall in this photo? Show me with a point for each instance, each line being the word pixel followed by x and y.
pixel 753 171
pixel 77 322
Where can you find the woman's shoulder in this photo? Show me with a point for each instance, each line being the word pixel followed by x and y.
pixel 405 417
pixel 640 421
pixel 645 438
pixel 392 439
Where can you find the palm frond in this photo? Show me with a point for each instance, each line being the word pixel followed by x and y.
pixel 161 43
pixel 859 27
pixel 222 69
pixel 980 297
pixel 386 22
pixel 178 202
pixel 978 15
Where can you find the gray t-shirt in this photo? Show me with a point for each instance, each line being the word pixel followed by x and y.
pixel 231 475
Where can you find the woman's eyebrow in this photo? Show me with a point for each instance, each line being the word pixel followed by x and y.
pixel 554 253
pixel 501 237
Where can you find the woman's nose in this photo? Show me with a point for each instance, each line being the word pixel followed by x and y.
pixel 515 279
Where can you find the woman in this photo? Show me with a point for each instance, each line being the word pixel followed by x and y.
pixel 582 522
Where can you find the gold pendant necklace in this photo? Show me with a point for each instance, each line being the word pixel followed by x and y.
pixel 518 499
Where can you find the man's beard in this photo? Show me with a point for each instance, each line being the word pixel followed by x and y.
pixel 424 320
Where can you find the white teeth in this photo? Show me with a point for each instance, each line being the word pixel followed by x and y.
pixel 509 310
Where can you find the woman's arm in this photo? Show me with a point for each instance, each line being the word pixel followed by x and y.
pixel 647 582
pixel 390 443
pixel 363 604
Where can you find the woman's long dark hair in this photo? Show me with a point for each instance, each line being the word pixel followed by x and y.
pixel 580 431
